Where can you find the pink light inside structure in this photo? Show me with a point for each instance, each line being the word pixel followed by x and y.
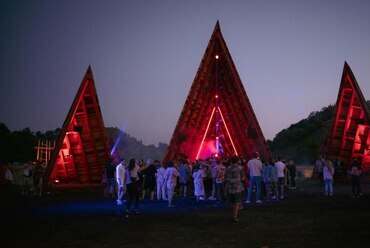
pixel 201 144
pixel 208 149
pixel 227 130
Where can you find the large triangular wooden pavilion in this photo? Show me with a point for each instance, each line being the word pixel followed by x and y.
pixel 81 152
pixel 217 118
pixel 350 133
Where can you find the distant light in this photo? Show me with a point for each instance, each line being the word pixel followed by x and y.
pixel 216 155
pixel 217 137
pixel 56 181
pixel 216 96
pixel 216 57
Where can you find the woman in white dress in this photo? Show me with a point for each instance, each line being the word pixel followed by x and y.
pixel 198 177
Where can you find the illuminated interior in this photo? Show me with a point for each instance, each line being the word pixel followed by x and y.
pixel 221 143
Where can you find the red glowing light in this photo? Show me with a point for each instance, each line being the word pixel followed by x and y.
pixel 227 130
pixel 216 57
pixel 56 181
pixel 209 122
pixel 216 96
pixel 216 137
pixel 216 155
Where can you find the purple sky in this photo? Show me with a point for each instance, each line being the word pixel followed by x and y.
pixel 144 55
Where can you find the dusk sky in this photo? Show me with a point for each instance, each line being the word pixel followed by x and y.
pixel 145 54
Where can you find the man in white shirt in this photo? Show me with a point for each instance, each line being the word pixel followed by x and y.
pixel 171 175
pixel 254 169
pixel 281 168
pixel 121 182
pixel 161 186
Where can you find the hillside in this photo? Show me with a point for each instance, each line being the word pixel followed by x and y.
pixel 302 141
pixel 130 147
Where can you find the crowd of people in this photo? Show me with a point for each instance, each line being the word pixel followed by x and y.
pixel 24 179
pixel 222 178
pixel 234 179
pixel 28 176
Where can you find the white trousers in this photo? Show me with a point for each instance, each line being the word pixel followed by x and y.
pixel 161 191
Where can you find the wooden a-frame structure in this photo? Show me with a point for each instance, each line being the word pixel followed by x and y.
pixel 349 137
pixel 217 117
pixel 81 152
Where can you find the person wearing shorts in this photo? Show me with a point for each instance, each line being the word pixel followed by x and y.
pixel 234 187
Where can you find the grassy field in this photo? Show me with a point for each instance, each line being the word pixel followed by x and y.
pixel 305 218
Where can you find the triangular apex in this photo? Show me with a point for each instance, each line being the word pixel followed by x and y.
pixel 81 151
pixel 350 134
pixel 217 118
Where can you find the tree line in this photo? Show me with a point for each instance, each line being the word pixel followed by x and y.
pixel 300 142
pixel 19 146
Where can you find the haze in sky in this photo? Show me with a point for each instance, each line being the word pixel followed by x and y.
pixel 145 54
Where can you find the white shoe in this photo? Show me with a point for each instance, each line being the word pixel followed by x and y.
pixel 247 202
pixel 273 198
pixel 211 198
pixel 259 202
pixel 119 202
pixel 201 198
pixel 281 197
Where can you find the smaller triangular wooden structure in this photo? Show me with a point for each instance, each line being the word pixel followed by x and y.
pixel 217 116
pixel 81 152
pixel 350 134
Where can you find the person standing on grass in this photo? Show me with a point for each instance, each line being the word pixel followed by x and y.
pixel 355 173
pixel 255 170
pixel 198 176
pixel 171 174
pixel 37 178
pixel 110 170
pixel 281 169
pixel 328 173
pixel 160 179
pixel 319 166
pixel 27 178
pixel 132 180
pixel 141 176
pixel 234 187
pixel 185 177
pixel 121 182
pixel 220 181
pixel 212 167
pixel 150 182
pixel 272 175
pixel 292 173
pixel 263 178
